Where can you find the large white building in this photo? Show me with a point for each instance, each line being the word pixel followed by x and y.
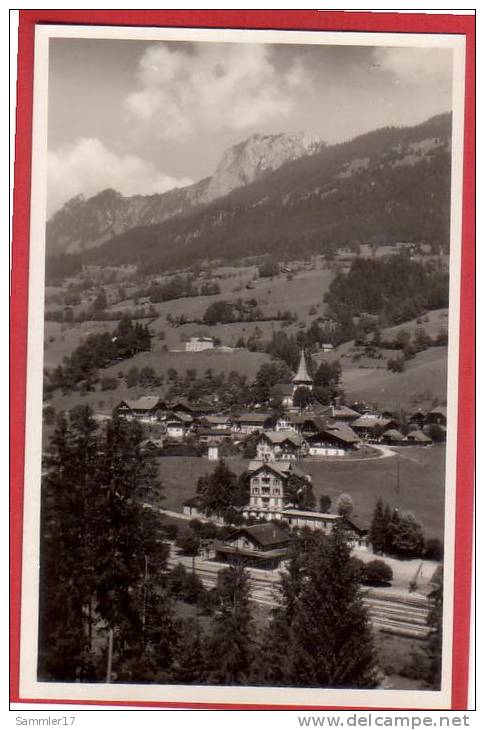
pixel 197 344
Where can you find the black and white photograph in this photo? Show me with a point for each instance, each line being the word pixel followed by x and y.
pixel 244 323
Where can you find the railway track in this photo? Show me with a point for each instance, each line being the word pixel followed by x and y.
pixel 393 613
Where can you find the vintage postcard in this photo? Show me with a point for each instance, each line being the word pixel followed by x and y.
pixel 244 360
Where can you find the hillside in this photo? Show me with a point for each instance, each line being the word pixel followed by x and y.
pixel 385 186
pixel 82 224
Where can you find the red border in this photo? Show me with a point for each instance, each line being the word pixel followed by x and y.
pixel 255 19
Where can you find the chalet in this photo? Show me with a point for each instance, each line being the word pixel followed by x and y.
pixel 260 546
pixel 304 423
pixel 418 438
pixel 278 445
pixel 326 523
pixel 335 439
pixel 418 418
pixel 268 487
pixel 147 409
pixel 213 435
pixel 369 427
pixel 340 413
pixel 437 416
pixel 217 423
pixel 393 437
pixel 198 344
pixel 178 425
pixel 192 507
pixel 326 347
pixel 196 410
pixel 249 423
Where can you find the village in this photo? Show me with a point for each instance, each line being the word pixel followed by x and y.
pixel 279 445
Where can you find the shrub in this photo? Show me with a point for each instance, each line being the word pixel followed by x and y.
pixel 377 572
pixel 433 549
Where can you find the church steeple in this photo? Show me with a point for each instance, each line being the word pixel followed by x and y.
pixel 302 377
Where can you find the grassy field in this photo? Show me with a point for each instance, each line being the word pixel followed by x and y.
pixel 423 379
pixel 421 482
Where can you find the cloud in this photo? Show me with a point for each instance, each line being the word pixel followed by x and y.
pixel 87 167
pixel 415 66
pixel 216 86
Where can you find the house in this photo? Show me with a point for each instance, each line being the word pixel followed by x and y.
pixel 178 425
pixel 249 423
pixel 304 423
pixel 393 437
pixel 369 427
pixel 192 507
pixel 326 347
pixel 340 413
pixel 437 416
pixel 147 409
pixel 218 423
pixel 418 438
pixel 335 439
pixel 418 419
pixel 325 522
pixel 198 344
pixel 213 435
pixel 278 445
pixel 268 487
pixel 260 546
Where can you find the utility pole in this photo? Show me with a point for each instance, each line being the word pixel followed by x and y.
pixel 398 475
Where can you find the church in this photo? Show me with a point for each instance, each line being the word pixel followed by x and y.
pixel 302 379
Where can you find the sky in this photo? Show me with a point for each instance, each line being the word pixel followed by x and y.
pixel 144 117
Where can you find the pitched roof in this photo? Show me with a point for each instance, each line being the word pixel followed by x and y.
pixel 267 534
pixel 253 417
pixel 418 436
pixel 284 469
pixel 279 437
pixel 394 435
pixel 342 432
pixel 302 375
pixel 145 403
pixel 340 412
pixel 371 422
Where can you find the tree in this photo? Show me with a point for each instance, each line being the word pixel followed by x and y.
pixel 190 660
pixel 269 267
pixel 325 503
pixel 218 490
pixel 299 492
pixel 345 505
pixel 189 543
pixel 302 397
pixel 377 532
pixel 407 539
pixel 435 638
pixel 377 572
pixel 330 638
pixel 268 375
pixel 231 642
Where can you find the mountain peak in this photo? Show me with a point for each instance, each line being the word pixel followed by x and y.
pixel 247 161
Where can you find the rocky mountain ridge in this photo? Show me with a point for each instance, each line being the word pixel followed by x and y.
pixel 86 223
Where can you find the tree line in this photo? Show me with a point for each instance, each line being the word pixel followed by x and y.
pixel 96 352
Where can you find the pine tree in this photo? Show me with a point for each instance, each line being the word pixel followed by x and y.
pixel 190 655
pixel 68 549
pixel 218 490
pixel 331 641
pixel 231 642
pixel 377 532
